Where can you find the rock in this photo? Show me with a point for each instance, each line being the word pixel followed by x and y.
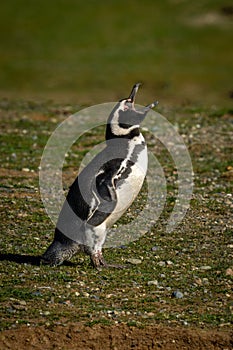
pixel 177 294
pixel 152 283
pixel 134 261
pixel 205 281
pixel 155 248
pixel 229 272
pixel 11 310
pixel 37 293
pixel 110 312
pixel 199 281
pixel 67 302
pixel 109 295
pixel 205 268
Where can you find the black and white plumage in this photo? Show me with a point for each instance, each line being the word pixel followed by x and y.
pixel 104 189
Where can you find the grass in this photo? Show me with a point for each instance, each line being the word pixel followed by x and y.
pixel 74 291
pixel 92 52
pixel 82 53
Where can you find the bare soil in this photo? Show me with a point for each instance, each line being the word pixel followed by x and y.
pixel 98 337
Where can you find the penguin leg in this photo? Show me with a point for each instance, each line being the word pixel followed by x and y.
pixel 96 237
pixel 62 248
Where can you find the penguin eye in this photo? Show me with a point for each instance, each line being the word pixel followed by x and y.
pixel 128 105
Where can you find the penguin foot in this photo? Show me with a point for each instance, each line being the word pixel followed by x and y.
pixel 99 262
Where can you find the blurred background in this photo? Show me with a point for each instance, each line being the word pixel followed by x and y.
pixel 89 52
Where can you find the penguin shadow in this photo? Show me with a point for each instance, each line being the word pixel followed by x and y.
pixel 28 259
pixel 21 259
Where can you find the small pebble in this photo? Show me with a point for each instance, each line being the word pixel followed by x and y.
pixel 134 261
pixel 109 312
pixel 11 310
pixel 155 249
pixel 177 294
pixel 37 293
pixel 205 281
pixel 152 283
pixel 108 296
pixel 205 268
pixel 229 272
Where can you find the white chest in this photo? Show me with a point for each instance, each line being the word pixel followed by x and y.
pixel 128 188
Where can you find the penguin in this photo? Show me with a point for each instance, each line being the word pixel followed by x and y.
pixel 104 189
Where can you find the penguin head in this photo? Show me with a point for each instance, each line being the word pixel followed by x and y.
pixel 125 119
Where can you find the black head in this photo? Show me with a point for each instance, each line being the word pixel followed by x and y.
pixel 124 121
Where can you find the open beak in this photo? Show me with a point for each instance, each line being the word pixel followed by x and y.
pixel 132 96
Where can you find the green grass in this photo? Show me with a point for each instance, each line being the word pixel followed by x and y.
pixel 89 52
pixel 76 292
pixel 80 53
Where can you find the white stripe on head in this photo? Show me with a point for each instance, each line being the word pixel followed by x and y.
pixel 114 124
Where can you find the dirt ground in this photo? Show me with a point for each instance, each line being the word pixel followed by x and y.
pixel 98 337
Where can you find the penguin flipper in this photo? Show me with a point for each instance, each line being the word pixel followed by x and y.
pixel 106 189
pixel 104 202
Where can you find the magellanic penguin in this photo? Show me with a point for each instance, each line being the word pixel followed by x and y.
pixel 104 189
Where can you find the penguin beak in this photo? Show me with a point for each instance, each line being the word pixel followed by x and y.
pixel 152 105
pixel 131 99
pixel 133 93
